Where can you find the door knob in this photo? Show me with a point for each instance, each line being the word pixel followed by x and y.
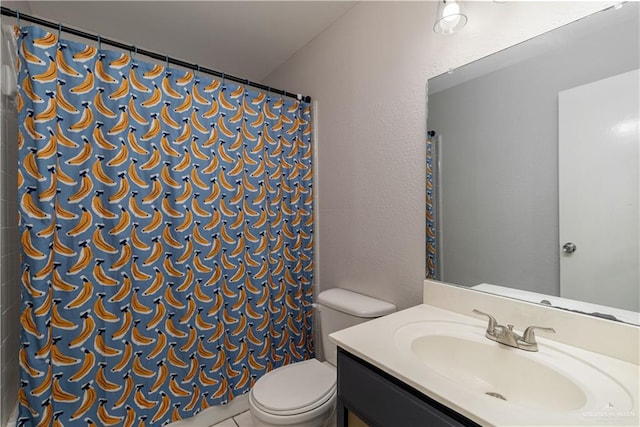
pixel 569 248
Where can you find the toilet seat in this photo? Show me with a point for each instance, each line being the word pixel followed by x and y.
pixel 295 389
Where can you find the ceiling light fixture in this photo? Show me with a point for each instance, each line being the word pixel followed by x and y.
pixel 449 18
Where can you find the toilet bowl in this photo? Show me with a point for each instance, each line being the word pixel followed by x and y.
pixel 303 394
pixel 300 394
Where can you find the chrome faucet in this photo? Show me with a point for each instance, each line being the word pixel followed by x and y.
pixel 507 336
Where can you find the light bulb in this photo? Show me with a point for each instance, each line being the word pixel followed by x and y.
pixel 449 18
pixel 451 10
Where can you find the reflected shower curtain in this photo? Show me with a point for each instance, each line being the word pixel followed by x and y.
pixel 431 261
pixel 166 224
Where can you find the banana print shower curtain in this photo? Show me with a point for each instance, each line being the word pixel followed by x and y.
pixel 166 226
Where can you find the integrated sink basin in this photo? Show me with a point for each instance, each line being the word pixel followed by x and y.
pixel 549 379
pixel 499 372
pixel 586 374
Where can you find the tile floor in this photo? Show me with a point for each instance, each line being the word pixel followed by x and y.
pixel 245 420
pixel 241 420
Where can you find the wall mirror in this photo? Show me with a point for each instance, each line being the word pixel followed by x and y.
pixel 532 169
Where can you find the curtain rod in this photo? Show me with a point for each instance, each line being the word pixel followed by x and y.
pixel 9 12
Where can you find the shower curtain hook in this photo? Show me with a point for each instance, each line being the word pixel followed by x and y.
pixel 99 43
pixel 166 63
pixel 59 31
pixel 197 71
pixel 223 77
pixel 18 19
pixel 135 52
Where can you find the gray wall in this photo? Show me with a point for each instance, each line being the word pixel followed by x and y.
pixel 500 161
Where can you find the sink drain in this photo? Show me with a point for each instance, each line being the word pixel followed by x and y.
pixel 496 395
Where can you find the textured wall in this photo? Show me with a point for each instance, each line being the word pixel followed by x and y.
pixel 368 72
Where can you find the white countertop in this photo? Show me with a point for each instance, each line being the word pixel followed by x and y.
pixel 375 342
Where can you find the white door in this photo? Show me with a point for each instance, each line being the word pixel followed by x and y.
pixel 599 191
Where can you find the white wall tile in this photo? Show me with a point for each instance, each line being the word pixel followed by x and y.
pixel 9 268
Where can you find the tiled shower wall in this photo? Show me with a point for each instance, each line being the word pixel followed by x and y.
pixel 9 250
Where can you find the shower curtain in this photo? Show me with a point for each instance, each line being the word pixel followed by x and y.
pixel 166 226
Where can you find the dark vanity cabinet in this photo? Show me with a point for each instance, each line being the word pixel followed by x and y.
pixel 381 400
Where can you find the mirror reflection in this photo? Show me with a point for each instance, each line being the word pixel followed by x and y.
pixel 532 169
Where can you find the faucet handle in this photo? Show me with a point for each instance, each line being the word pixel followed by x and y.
pixel 529 336
pixel 513 333
pixel 492 320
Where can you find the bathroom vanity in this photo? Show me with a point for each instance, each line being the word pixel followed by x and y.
pixel 433 365
pixel 379 399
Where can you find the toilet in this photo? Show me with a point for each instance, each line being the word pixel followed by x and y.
pixel 303 394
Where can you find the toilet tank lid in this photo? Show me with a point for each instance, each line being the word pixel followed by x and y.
pixel 354 303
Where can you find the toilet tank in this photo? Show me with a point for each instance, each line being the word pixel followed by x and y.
pixel 340 309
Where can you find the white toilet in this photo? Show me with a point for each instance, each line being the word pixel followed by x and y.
pixel 303 394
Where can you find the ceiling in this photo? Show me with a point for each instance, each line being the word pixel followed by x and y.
pixel 249 39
